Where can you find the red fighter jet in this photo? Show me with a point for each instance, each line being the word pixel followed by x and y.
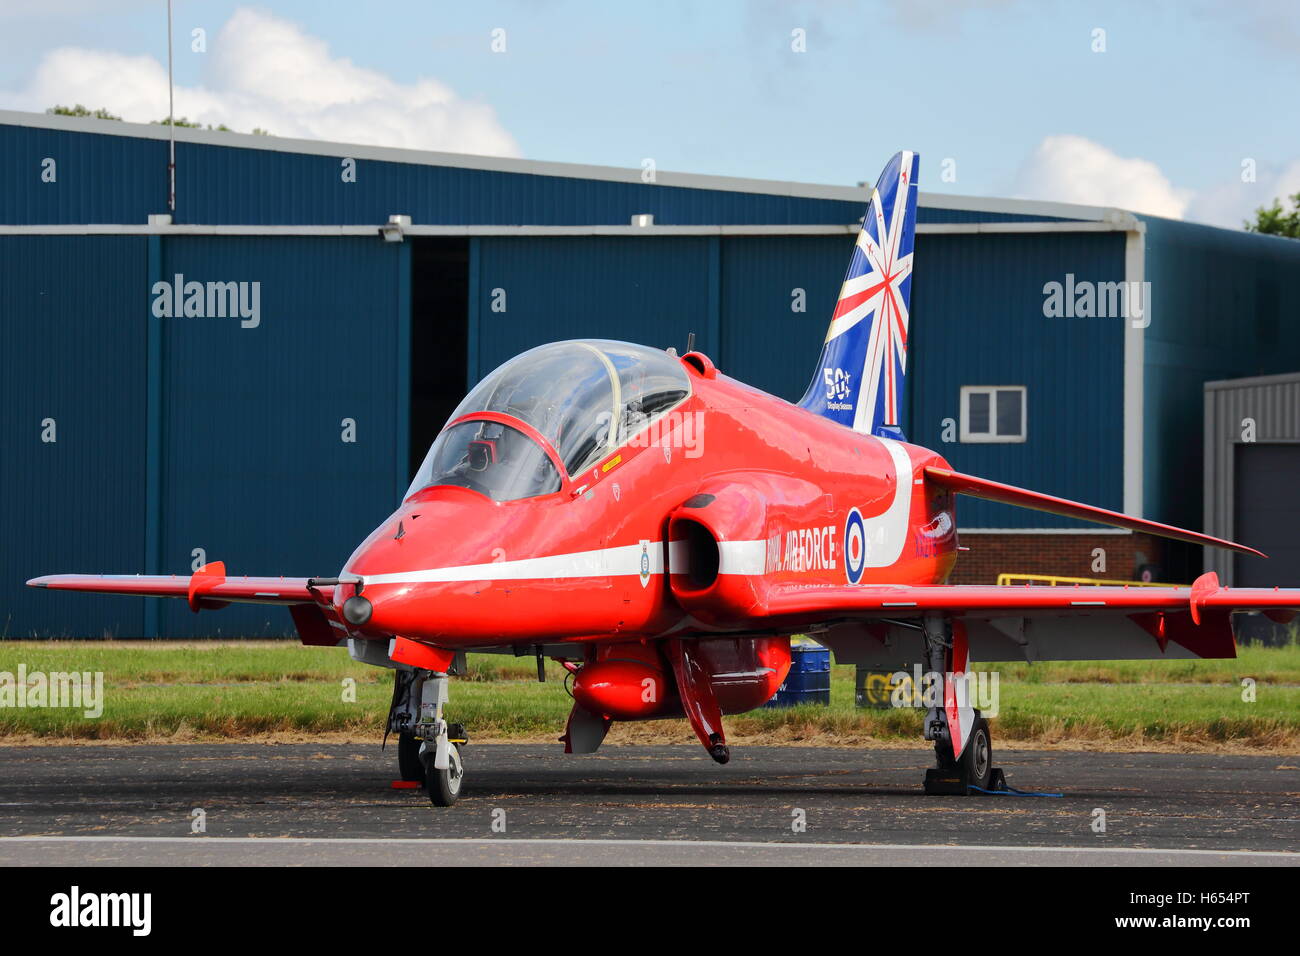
pixel 663 529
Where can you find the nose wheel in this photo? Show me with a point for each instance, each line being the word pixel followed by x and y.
pixel 443 786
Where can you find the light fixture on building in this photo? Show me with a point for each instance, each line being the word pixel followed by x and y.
pixel 392 232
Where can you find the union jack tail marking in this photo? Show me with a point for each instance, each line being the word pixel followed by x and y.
pixel 859 380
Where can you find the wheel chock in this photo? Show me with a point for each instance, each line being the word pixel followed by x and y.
pixel 948 783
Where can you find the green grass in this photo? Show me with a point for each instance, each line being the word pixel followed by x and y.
pixel 235 689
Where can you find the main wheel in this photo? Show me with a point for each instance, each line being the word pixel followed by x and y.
pixel 444 785
pixel 977 761
pixel 409 764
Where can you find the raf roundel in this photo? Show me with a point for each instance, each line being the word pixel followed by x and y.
pixel 855 546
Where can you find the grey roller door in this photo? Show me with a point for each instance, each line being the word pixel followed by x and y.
pixel 1266 507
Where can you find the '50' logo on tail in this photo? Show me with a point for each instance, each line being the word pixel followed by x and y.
pixel 837 383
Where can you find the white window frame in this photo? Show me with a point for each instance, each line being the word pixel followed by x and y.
pixel 969 437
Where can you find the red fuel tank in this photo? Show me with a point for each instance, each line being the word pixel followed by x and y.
pixel 635 682
pixel 630 686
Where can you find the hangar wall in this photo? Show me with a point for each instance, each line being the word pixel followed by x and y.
pixel 272 180
pixel 72 392
pixel 193 432
pixel 1224 304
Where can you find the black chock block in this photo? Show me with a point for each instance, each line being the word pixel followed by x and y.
pixel 998 781
pixel 950 783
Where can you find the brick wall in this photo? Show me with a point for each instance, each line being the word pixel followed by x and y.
pixel 1069 555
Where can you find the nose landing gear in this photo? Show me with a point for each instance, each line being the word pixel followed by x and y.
pixel 428 748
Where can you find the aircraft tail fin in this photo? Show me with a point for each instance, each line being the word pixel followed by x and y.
pixel 859 379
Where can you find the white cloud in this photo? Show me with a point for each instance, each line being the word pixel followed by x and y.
pixel 1233 201
pixel 1068 168
pixel 263 71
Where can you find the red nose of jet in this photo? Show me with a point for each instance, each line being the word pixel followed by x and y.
pixel 425 570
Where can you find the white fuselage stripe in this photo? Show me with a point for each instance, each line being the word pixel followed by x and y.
pixel 735 557
pixel 885 535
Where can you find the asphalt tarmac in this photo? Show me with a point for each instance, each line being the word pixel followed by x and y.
pixel 334 804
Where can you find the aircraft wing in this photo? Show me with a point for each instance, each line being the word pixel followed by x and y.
pixel 205 587
pixel 1081 622
pixel 210 588
pixel 989 490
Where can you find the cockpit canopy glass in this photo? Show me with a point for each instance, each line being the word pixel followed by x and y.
pixel 491 458
pixel 585 397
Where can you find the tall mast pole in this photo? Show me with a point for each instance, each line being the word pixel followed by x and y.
pixel 171 119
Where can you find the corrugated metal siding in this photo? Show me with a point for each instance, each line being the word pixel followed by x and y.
pixel 100 179
pixel 230 185
pixel 653 291
pixel 977 319
pixel 765 342
pixel 939 214
pixel 73 314
pixel 1223 306
pixel 1274 406
pixel 254 468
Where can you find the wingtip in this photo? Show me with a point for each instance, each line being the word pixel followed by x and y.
pixel 38 583
pixel 1244 549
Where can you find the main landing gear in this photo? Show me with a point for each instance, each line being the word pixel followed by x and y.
pixel 963 746
pixel 428 748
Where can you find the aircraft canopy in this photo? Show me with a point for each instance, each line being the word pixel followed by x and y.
pixel 585 397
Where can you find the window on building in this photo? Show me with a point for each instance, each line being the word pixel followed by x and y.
pixel 993 413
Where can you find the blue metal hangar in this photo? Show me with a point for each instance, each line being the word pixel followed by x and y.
pixel 350 295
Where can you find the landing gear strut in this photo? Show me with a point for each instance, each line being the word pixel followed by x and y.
pixel 440 750
pixel 428 748
pixel 963 746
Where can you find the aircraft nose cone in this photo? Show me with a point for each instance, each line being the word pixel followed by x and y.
pixel 357 610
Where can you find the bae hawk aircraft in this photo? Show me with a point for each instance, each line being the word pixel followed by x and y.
pixel 662 529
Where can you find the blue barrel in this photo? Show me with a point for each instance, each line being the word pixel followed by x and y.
pixel 809 680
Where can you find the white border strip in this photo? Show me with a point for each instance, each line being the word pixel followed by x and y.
pixel 1133 410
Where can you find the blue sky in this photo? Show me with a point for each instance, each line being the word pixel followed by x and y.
pixel 1183 94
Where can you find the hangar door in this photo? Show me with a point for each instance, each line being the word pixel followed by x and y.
pixel 282 433
pixel 1266 514
pixel 72 406
pixel 530 291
